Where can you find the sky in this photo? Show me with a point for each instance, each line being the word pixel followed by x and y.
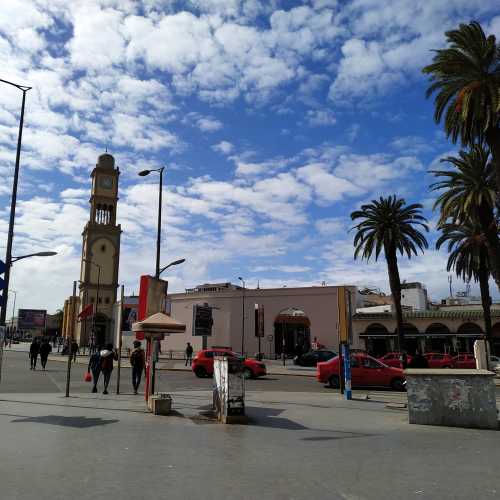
pixel 274 120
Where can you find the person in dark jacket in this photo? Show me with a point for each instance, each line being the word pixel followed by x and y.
pixel 74 350
pixel 418 361
pixel 45 350
pixel 108 354
pixel 189 354
pixel 138 363
pixel 95 368
pixel 34 351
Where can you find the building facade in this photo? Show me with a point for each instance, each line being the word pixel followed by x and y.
pixel 449 330
pixel 100 255
pixel 292 317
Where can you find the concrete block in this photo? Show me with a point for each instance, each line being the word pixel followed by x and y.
pixel 160 404
pixel 454 398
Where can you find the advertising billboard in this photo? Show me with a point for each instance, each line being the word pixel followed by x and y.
pixel 259 320
pixel 31 319
pixel 202 320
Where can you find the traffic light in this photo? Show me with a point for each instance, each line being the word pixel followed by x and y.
pixel 3 268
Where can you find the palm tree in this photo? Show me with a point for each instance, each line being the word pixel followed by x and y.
pixel 469 193
pixel 466 77
pixel 389 224
pixel 468 256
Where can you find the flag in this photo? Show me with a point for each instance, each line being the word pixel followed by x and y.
pixel 86 312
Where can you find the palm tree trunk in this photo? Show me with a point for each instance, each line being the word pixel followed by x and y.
pixel 493 243
pixel 489 227
pixel 395 285
pixel 485 294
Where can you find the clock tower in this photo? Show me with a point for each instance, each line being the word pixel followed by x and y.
pixel 100 255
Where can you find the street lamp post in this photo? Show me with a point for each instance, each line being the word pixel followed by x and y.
pixel 10 237
pixel 158 234
pixel 242 316
pixel 13 314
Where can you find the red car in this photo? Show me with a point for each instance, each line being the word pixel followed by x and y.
pixel 464 360
pixel 365 371
pixel 439 360
pixel 203 363
pixel 392 359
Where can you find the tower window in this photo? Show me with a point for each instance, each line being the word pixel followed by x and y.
pixel 92 300
pixel 103 248
pixel 100 300
pixel 107 300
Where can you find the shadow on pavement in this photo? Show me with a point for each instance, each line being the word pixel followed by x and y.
pixel 268 417
pixel 76 422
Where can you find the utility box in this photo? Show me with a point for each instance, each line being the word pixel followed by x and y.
pixel 160 404
pixel 229 390
pixel 452 397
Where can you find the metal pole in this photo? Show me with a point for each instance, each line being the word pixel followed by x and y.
pixel 70 339
pixel 243 320
pixel 10 237
pixel 13 314
pixel 120 338
pixel 158 235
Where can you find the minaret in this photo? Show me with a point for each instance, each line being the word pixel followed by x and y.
pixel 101 246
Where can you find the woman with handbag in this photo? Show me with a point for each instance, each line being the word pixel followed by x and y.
pixel 95 368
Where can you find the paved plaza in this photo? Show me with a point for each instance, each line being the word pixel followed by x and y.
pixel 297 445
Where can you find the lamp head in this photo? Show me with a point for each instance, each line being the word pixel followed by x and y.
pixel 143 173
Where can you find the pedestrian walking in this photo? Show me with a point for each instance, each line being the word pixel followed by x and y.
pixel 74 350
pixel 138 364
pixel 108 354
pixel 45 350
pixel 189 354
pixel 34 351
pixel 95 368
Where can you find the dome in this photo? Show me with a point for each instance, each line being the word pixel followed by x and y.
pixel 106 161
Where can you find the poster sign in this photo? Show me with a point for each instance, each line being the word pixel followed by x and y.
pixel 202 320
pixel 30 319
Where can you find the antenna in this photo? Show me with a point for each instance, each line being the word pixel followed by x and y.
pixel 450 281
pixel 258 285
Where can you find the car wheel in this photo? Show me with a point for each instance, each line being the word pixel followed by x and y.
pixel 247 373
pixel 200 372
pixel 334 381
pixel 398 384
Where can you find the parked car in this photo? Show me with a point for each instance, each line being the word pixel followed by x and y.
pixel 464 360
pixel 203 363
pixel 439 360
pixel 365 371
pixel 392 359
pixel 495 363
pixel 311 358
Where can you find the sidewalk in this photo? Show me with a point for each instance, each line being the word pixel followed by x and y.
pixel 296 446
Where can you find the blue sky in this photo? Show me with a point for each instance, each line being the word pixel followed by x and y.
pixel 274 121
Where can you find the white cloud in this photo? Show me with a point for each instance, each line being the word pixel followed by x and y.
pixel 209 124
pixel 224 147
pixel 320 117
pixel 330 226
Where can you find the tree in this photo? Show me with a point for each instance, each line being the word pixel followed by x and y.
pixel 469 193
pixel 468 256
pixel 466 79
pixel 389 224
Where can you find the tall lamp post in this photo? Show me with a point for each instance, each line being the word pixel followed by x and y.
pixel 13 314
pixel 10 237
pixel 158 234
pixel 242 316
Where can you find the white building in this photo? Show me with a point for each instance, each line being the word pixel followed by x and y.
pixel 414 296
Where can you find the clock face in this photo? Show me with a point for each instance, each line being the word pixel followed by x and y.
pixel 106 182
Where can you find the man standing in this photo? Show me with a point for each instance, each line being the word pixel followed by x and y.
pixel 138 363
pixel 45 350
pixel 34 350
pixel 189 354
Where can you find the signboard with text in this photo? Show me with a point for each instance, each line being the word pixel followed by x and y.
pixel 202 320
pixel 30 319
